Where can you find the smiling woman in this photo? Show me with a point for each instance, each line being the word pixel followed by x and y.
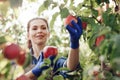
pixel 38 34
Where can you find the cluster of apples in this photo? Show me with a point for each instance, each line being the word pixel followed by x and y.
pixel 13 51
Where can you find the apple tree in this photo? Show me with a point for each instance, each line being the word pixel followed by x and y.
pixel 99 44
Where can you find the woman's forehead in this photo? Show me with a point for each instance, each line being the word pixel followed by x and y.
pixel 38 22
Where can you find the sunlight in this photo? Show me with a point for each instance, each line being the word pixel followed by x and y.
pixel 27 11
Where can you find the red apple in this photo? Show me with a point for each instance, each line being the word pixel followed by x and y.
pixel 50 51
pixel 84 25
pixel 68 20
pixel 99 39
pixel 11 51
pixel 23 77
pixel 21 58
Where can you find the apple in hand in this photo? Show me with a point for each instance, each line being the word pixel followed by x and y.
pixel 70 17
pixel 21 58
pixel 50 51
pixel 68 20
pixel 11 51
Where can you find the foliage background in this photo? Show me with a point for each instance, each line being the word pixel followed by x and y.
pixel 101 19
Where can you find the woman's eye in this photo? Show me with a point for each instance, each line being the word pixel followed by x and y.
pixel 44 28
pixel 34 28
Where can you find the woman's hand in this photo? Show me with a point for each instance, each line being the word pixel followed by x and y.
pixel 41 66
pixel 75 32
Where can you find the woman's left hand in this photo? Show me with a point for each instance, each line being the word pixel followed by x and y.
pixel 75 32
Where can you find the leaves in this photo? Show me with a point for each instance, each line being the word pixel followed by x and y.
pixel 59 77
pixel 41 8
pixel 2 39
pixel 64 12
pixel 53 19
pixel 15 3
pixel 109 26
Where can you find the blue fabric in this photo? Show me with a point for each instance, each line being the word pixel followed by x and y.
pixel 59 63
pixel 75 32
pixel 37 70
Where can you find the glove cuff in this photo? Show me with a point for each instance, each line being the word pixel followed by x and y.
pixel 36 72
pixel 74 45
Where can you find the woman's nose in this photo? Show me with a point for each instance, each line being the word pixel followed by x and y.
pixel 39 30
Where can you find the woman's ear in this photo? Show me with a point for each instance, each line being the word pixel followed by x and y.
pixel 28 41
pixel 28 36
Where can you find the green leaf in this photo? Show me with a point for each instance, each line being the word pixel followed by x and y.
pixel 94 12
pixel 41 8
pixel 116 46
pixel 47 3
pixel 27 61
pixel 64 12
pixel 104 30
pixel 116 64
pixel 53 19
pixel 58 77
pixel 2 39
pixel 91 41
pixel 63 69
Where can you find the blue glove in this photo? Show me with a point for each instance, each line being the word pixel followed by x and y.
pixel 75 32
pixel 40 67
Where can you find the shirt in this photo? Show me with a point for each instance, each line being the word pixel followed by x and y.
pixel 59 63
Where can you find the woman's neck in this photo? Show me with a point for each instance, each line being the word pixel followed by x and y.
pixel 37 49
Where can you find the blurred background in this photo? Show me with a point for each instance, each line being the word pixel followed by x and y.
pixel 99 44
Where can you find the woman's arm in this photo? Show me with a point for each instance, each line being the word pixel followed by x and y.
pixel 73 59
pixel 75 32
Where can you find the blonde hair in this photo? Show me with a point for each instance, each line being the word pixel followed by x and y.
pixel 28 26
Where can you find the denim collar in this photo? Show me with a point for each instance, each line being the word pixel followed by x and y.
pixel 34 60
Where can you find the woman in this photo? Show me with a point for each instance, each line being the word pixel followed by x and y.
pixel 38 34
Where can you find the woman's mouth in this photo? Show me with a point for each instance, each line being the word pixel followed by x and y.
pixel 39 36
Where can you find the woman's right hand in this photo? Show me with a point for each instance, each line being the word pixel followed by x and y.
pixel 41 66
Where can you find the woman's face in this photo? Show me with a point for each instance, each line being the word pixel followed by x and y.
pixel 38 32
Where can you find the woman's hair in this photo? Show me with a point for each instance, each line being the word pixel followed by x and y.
pixel 28 26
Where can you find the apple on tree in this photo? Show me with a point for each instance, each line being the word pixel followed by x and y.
pixel 84 25
pixel 70 17
pixel 99 39
pixel 11 51
pixel 50 51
